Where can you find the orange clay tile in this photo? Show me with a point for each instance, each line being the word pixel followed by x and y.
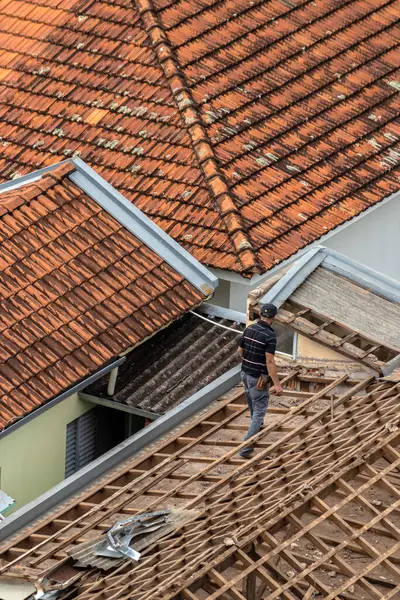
pixel 298 101
pixel 246 130
pixel 77 289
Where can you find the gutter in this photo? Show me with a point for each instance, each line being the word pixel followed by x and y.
pixel 127 449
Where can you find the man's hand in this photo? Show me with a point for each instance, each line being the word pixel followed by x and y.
pixel 277 390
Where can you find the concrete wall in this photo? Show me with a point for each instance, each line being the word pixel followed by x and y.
pixel 32 458
pixel 373 240
pixel 221 295
pixel 308 349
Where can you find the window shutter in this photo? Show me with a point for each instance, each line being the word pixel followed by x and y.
pixel 80 442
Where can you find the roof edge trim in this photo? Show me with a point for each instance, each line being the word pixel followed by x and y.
pixel 294 277
pixel 338 263
pixel 74 389
pixel 202 147
pixel 142 227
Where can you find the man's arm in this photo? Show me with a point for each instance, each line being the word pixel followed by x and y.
pixel 273 372
pixel 239 340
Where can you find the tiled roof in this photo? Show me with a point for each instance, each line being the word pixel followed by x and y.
pixel 81 79
pixel 77 288
pixel 286 123
pixel 298 100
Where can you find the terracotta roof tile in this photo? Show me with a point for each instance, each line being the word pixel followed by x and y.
pixel 76 297
pixel 85 80
pixel 245 130
pixel 296 100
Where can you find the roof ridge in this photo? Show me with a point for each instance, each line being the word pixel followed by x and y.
pixel 202 147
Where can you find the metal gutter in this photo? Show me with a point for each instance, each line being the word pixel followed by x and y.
pixel 64 490
pixel 142 227
pixel 72 390
pixel 119 406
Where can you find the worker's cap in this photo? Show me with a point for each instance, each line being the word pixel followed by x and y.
pixel 268 310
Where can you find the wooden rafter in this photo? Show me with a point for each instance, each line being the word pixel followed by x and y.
pixel 325 477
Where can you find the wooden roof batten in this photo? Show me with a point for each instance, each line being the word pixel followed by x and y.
pixel 323 454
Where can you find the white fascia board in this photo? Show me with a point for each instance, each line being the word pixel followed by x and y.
pixel 142 227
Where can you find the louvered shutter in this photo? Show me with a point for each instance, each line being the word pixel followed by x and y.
pixel 81 442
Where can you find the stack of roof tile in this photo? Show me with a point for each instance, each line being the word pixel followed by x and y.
pixel 77 288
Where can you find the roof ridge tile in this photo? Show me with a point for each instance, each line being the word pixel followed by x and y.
pixel 201 144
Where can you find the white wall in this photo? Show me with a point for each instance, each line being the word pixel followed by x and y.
pixel 373 240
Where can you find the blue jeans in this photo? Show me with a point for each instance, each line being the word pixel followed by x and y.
pixel 258 404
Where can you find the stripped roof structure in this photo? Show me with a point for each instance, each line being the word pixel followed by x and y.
pixel 84 276
pixel 340 304
pixel 246 130
pixel 314 513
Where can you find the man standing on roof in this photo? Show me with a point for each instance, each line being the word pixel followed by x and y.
pixel 257 350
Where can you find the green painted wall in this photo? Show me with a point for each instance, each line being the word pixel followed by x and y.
pixel 32 458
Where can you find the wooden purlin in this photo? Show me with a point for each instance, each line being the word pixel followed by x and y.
pixel 358 422
pixel 207 533
pixel 343 339
pixel 180 544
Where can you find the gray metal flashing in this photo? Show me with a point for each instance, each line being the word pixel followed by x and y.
pixel 222 312
pixel 334 261
pixel 142 227
pixel 294 277
pixel 30 177
pixel 381 284
pixel 391 366
pixel 75 483
pixel 72 390
pixel 119 406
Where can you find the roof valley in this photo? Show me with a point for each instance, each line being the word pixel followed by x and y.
pixel 201 144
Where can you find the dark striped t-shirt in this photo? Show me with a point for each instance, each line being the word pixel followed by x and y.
pixel 257 339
